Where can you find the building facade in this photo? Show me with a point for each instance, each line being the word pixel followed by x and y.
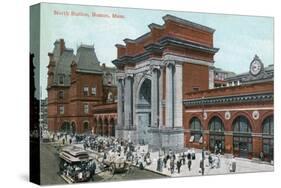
pixel 154 72
pixel 171 95
pixel 76 83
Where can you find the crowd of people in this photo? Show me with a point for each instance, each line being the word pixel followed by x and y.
pixel 140 156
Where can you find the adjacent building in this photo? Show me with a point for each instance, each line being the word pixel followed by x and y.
pixel 76 84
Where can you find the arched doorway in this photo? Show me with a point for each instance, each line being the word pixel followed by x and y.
pixel 95 126
pixel 216 138
pixel 242 137
pixel 86 127
pixel 112 124
pixel 144 111
pixel 268 138
pixel 105 127
pixel 196 131
pixel 67 128
pixel 73 127
pixel 99 127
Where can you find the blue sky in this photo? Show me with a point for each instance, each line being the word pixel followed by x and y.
pixel 238 37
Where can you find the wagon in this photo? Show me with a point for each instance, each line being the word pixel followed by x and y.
pixel 114 163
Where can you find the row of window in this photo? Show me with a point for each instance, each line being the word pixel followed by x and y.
pixel 241 125
pixel 85 92
pixel 85 108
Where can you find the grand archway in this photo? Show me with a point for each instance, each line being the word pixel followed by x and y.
pixel 143 108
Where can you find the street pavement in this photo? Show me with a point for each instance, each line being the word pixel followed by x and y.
pixel 50 166
pixel 242 166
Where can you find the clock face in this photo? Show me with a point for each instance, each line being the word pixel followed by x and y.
pixel 256 67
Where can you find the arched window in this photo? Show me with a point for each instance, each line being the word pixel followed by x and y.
pixel 145 92
pixel 242 138
pixel 268 126
pixel 241 125
pixel 216 125
pixel 216 139
pixel 196 130
pixel 268 135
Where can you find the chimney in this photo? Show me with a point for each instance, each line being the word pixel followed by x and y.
pixel 62 46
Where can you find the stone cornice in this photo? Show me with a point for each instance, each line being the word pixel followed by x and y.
pixel 160 46
pixel 255 97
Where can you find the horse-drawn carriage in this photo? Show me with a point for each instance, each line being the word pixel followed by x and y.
pixel 113 162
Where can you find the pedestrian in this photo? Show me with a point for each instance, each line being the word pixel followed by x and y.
pixel 189 164
pixel 179 166
pixel 161 165
pixel 172 165
pixel 183 159
pixel 165 162
pixel 188 156
pixel 93 169
pixel 232 167
pixel 158 164
pixel 261 156
pixel 218 161
pixel 202 167
pixel 210 159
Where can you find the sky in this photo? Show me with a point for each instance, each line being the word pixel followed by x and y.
pixel 239 38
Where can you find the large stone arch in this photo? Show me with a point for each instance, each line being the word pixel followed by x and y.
pixel 143 108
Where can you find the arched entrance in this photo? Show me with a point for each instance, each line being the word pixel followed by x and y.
pixel 216 138
pixel 86 127
pixel 99 127
pixel 143 107
pixel 196 131
pixel 112 124
pixel 68 128
pixel 242 137
pixel 268 138
pixel 105 127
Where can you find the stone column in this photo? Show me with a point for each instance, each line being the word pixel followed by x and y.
pixel 120 103
pixel 169 96
pixel 160 97
pixel 128 102
pixel 154 99
pixel 178 113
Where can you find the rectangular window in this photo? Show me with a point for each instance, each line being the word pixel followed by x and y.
pixel 86 91
pixel 86 108
pixel 195 88
pixel 61 79
pixel 61 109
pixel 61 94
pixel 94 91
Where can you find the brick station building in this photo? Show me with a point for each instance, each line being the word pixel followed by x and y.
pixel 166 83
pixel 77 83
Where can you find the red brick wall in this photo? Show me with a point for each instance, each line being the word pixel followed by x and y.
pixel 195 76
